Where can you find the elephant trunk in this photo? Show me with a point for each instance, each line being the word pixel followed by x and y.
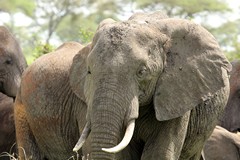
pixel 111 120
pixel 125 141
pixel 106 130
pixel 103 134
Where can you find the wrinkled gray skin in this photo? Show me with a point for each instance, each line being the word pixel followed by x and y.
pixel 231 117
pixel 12 64
pixel 48 115
pixel 168 75
pixel 222 145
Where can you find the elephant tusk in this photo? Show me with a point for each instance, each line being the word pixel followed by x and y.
pixel 83 137
pixel 125 141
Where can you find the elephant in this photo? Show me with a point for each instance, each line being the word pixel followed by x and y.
pixel 12 65
pixel 49 122
pixel 222 145
pixel 148 88
pixel 230 119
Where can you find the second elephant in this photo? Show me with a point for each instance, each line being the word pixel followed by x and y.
pixel 222 145
pixel 230 120
pixel 12 65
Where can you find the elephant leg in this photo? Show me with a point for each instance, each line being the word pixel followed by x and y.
pixel 26 145
pixel 167 140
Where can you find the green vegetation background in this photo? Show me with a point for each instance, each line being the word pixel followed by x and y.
pixel 45 24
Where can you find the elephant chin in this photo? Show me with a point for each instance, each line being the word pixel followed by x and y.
pixel 125 141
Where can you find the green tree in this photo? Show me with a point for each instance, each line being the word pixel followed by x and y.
pixel 13 6
pixel 79 25
pixel 50 13
pixel 184 8
pixel 228 37
pixel 77 20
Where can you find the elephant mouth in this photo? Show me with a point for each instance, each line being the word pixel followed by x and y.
pixel 2 90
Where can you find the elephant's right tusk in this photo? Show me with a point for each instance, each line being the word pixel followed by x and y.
pixel 83 137
pixel 125 141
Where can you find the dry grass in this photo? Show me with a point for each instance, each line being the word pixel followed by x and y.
pixel 13 156
pixel 9 154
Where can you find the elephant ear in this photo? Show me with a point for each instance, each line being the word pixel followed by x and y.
pixel 195 68
pixel 78 72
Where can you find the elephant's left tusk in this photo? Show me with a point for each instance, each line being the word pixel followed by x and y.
pixel 83 137
pixel 125 141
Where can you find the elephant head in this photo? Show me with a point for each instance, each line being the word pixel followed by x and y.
pixel 230 119
pixel 170 63
pixel 12 63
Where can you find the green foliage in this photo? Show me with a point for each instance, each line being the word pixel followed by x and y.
pixel 234 54
pixel 81 29
pixel 42 49
pixel 77 20
pixel 228 38
pixel 13 6
pixel 184 8
pixel 85 35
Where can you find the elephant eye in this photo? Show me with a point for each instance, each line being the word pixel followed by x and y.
pixel 142 72
pixel 9 61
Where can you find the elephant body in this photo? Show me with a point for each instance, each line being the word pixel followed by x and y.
pixel 148 88
pixel 55 118
pixel 12 64
pixel 230 119
pixel 222 145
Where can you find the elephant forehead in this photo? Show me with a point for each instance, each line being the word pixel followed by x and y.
pixel 123 55
pixel 124 39
pixel 122 45
pixel 124 33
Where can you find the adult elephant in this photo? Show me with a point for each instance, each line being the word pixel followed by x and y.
pixel 162 80
pixel 49 117
pixel 222 145
pixel 230 119
pixel 12 64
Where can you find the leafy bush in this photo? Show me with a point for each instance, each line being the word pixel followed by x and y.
pixel 42 49
pixel 85 35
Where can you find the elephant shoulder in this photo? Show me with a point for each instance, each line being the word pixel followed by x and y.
pixel 50 70
pixel 55 62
